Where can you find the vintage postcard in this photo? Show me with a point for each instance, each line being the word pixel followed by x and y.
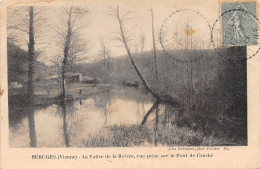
pixel 129 84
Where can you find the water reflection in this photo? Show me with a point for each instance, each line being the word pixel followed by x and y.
pixel 155 106
pixel 65 127
pixel 70 123
pixel 115 118
pixel 156 125
pixel 31 122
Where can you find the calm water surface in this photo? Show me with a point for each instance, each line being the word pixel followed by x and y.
pixel 49 126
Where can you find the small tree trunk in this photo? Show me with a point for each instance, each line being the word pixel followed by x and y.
pixel 32 131
pixel 30 85
pixel 66 53
pixel 31 55
pixel 131 58
pixel 155 105
pixel 108 62
pixel 154 49
pixel 163 97
pixel 104 53
pixel 65 126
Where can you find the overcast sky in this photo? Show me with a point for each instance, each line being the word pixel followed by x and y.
pixel 101 25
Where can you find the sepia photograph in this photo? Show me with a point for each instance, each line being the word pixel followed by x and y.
pixel 155 84
pixel 106 76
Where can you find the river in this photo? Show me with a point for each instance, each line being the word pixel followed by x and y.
pixel 83 118
pixel 120 117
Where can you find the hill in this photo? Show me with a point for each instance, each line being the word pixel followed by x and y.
pixel 17 59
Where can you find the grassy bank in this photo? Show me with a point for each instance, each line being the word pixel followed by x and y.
pixel 165 135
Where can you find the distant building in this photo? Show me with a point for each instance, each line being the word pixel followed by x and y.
pixel 73 77
pixel 69 77
pixel 51 79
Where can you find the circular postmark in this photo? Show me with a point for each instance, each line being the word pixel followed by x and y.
pixel 183 34
pixel 236 33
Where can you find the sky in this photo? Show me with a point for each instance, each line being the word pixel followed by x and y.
pixel 101 25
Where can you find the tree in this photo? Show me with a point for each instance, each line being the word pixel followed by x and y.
pixel 108 53
pixel 105 52
pixel 125 38
pixel 24 28
pixel 31 53
pixel 154 49
pixel 142 40
pixel 69 40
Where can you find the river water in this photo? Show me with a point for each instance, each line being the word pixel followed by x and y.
pixel 51 126
pixel 120 117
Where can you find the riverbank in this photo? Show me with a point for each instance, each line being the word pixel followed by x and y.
pixel 46 95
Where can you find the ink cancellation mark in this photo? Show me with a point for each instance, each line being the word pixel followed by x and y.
pixel 181 31
pixel 239 24
pixel 245 36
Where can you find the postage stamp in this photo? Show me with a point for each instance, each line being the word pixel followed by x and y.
pixel 239 26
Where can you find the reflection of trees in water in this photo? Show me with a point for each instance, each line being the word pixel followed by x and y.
pixel 67 107
pixel 31 121
pixel 171 124
pixel 156 125
pixel 67 110
pixel 155 105
pixel 105 111
pixel 103 102
pixel 65 125
pixel 155 108
pixel 166 130
pixel 165 123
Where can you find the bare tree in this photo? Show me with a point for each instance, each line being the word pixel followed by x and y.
pixel 108 53
pixel 125 38
pixel 105 52
pixel 142 42
pixel 154 48
pixel 69 40
pixel 24 28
